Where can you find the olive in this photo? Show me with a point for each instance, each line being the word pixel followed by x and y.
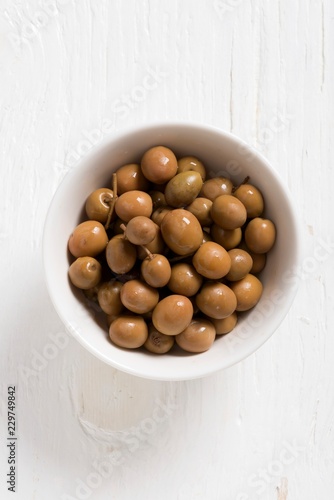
pixel 216 300
pixel 130 177
pixel 248 292
pixel 228 212
pixel 259 262
pixel 155 246
pixel 212 188
pixel 158 199
pixel 251 198
pixel 98 204
pixel 138 296
pixel 183 188
pixel 128 331
pixel 85 272
pixel 158 342
pixel 201 208
pixel 109 297
pixel 121 255
pixel 156 270
pixel 133 203
pixel 184 279
pixel 88 239
pixel 159 164
pixel 191 163
pixel 225 325
pixel 225 237
pixel 141 230
pixel 172 314
pixel 212 260
pixel 181 231
pixel 197 337
pixel 260 235
pixel 206 237
pixel 241 264
pixel 159 213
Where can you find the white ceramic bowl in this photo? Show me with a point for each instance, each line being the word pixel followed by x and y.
pixel 222 154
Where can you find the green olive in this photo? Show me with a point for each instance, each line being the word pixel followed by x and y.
pixel 198 336
pixel 88 239
pixel 159 164
pixel 129 178
pixel 128 331
pixel 181 231
pixel 228 212
pixel 172 314
pixel 183 188
pixel 248 292
pixel 191 163
pixel 85 272
pixel 260 235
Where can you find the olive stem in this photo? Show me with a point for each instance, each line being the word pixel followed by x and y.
pixel 149 254
pixel 123 227
pixel 113 201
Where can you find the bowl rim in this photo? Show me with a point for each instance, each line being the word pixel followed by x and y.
pixel 86 159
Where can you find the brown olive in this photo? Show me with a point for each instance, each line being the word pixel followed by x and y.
pixel 156 270
pixel 129 178
pixel 212 188
pixel 197 337
pixel 85 272
pixel 259 262
pixel 128 331
pixel 88 239
pixel 251 198
pixel 158 199
pixel 228 212
pixel 241 264
pixel 109 297
pixel 181 231
pixel 159 164
pixel 138 296
pixel 201 209
pixel 226 238
pixel 248 292
pixel 98 204
pixel 155 246
pixel 172 314
pixel 260 235
pixel 159 213
pixel 183 188
pixel 133 203
pixel 191 163
pixel 212 260
pixel 158 342
pixel 184 279
pixel 121 255
pixel 216 300
pixel 225 325
pixel 141 230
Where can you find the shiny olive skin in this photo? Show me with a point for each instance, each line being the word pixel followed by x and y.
pixel 212 260
pixel 228 212
pixel 138 296
pixel 216 300
pixel 85 272
pixel 140 230
pixel 133 203
pixel 130 177
pixel 191 163
pixel 212 188
pixel 121 255
pixel 241 264
pixel 248 292
pixel 226 238
pixel 225 325
pixel 201 209
pixel 172 314
pixel 156 270
pixel 98 204
pixel 109 297
pixel 181 231
pixel 184 279
pixel 158 342
pixel 159 164
pixel 197 337
pixel 156 246
pixel 128 331
pixel 88 239
pixel 260 235
pixel 158 199
pixel 183 188
pixel 251 198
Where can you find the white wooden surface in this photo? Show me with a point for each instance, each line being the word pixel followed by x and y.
pixel 70 72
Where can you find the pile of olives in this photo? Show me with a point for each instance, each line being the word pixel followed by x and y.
pixel 169 256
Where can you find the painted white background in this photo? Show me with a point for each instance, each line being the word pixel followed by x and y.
pixel 261 69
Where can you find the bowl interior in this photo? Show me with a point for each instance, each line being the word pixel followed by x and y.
pixel 222 154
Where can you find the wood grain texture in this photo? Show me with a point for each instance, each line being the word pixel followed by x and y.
pixel 263 70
